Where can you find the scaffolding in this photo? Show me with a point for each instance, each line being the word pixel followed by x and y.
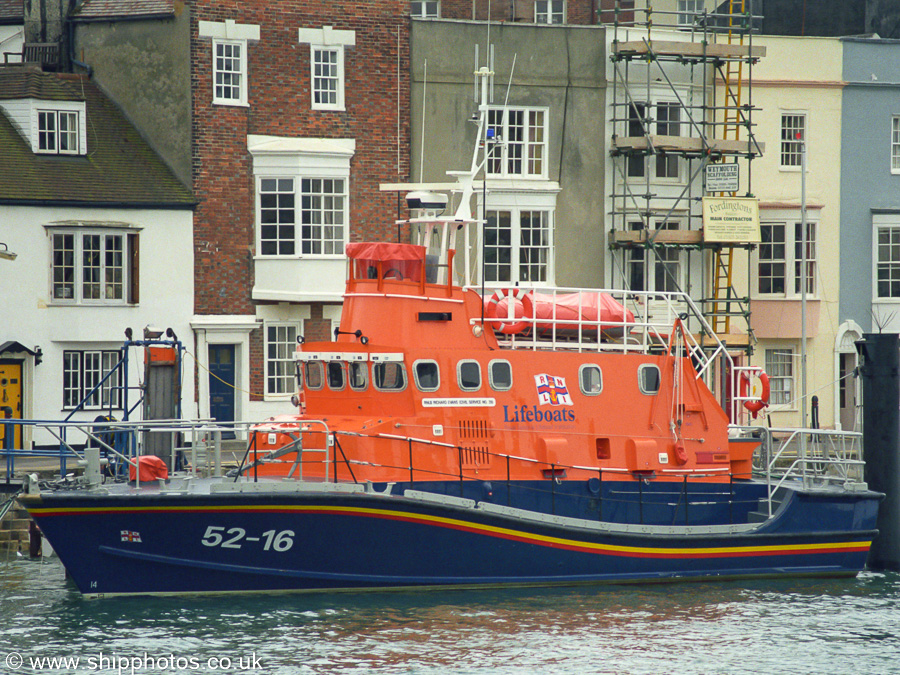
pixel 681 101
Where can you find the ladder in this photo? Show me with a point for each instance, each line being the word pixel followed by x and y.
pixel 723 293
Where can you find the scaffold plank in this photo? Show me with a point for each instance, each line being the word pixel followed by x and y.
pixel 697 50
pixel 686 144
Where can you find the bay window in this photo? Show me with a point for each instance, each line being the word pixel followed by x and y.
pixel 780 259
pixel 517 245
pixel 93 266
pixel 317 227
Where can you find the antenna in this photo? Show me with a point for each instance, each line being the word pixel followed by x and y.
pixel 491 77
pixel 475 79
pixel 488 25
pixel 487 77
pixel 422 149
pixel 509 84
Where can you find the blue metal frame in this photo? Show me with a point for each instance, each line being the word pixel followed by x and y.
pixel 124 442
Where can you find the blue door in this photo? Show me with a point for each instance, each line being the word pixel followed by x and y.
pixel 221 383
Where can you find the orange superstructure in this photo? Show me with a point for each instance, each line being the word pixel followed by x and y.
pixel 418 386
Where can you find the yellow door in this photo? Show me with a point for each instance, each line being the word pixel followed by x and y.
pixel 11 398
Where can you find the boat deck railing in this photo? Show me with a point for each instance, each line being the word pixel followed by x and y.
pixel 309 451
pixel 650 331
pixel 464 475
pixel 827 458
pixel 812 457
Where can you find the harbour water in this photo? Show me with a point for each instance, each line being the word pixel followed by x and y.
pixel 766 626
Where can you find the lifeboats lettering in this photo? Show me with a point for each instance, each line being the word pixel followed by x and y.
pixel 519 414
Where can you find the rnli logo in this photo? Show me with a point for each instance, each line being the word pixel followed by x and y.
pixel 552 390
pixel 130 536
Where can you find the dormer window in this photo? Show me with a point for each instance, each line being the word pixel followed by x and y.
pixel 58 132
pixel 49 127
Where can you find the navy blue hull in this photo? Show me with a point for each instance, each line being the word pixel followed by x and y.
pixel 281 542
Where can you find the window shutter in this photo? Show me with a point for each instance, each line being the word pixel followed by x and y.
pixel 134 266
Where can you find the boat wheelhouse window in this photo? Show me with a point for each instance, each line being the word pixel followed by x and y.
pixel 389 376
pixel 428 377
pixel 358 375
pixel 315 375
pixel 500 375
pixel 468 375
pixel 590 377
pixel 335 372
pixel 648 379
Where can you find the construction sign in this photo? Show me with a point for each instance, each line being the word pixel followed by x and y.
pixel 731 220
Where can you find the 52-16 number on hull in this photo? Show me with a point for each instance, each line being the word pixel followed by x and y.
pixel 236 537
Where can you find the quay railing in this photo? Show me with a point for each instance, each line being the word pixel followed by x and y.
pixel 120 442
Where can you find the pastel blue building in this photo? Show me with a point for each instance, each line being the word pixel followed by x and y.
pixel 870 196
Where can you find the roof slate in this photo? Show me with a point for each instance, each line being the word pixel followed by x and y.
pixel 12 11
pixel 31 82
pixel 120 168
pixel 108 9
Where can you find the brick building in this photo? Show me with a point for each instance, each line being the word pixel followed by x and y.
pixel 300 110
pixel 284 117
pixel 578 12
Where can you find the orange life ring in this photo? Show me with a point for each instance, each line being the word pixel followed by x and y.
pixel 754 406
pixel 511 327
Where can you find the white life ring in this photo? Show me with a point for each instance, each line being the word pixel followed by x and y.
pixel 520 294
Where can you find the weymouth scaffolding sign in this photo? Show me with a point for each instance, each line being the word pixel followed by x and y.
pixel 731 220
pixel 722 178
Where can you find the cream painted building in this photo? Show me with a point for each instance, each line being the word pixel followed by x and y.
pixel 797 91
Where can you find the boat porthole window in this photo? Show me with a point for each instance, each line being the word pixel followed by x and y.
pixel 500 375
pixel 648 379
pixel 590 377
pixel 468 375
pixel 427 374
pixel 315 375
pixel 389 376
pixel 358 375
pixel 335 375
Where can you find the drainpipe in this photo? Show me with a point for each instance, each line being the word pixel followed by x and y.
pixel 70 26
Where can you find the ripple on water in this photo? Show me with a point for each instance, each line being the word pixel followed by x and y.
pixel 796 626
